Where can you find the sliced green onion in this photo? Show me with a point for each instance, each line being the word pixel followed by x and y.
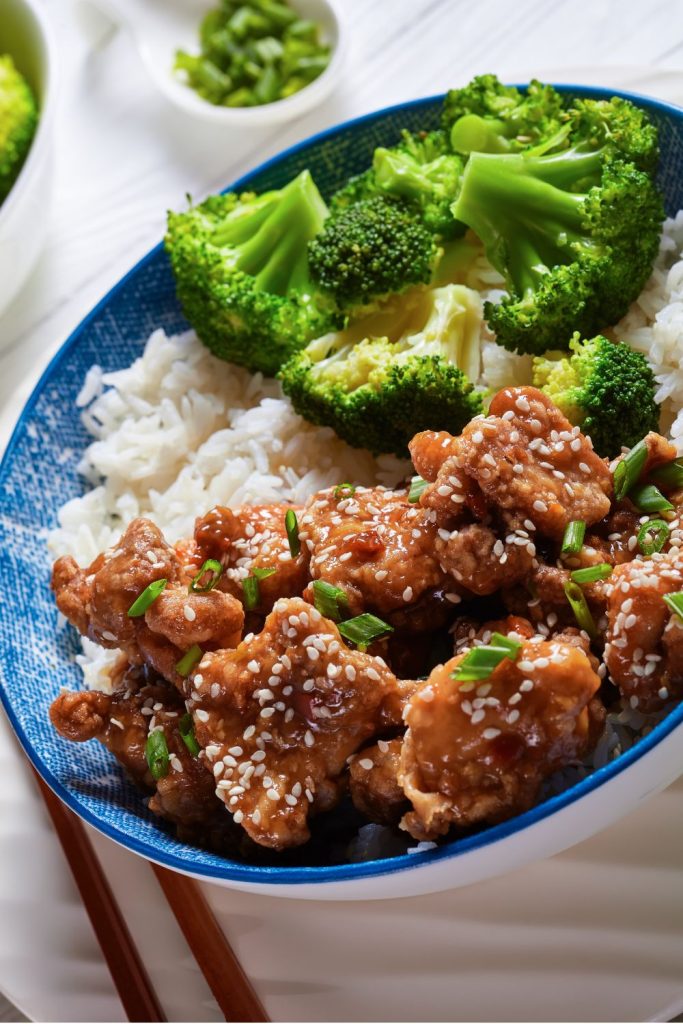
pixel 417 486
pixel 292 528
pixel 506 643
pixel 480 662
pixel 146 598
pixel 330 601
pixel 592 573
pixel 363 629
pixel 675 603
pixel 186 730
pixel 263 574
pixel 669 475
pixel 189 660
pixel 156 754
pixel 572 542
pixel 251 591
pixel 627 471
pixel 652 536
pixel 582 612
pixel 648 498
pixel 216 570
pixel 344 491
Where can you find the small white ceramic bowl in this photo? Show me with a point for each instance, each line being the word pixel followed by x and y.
pixel 160 27
pixel 25 34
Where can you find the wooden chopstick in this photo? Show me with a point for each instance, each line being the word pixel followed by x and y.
pixel 222 970
pixel 117 945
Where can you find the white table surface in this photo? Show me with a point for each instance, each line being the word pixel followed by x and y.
pixel 124 156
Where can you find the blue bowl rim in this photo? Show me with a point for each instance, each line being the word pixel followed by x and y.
pixel 259 875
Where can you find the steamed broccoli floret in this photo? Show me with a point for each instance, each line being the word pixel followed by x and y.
pixel 424 172
pixel 489 117
pixel 369 252
pixel 18 121
pixel 622 129
pixel 386 377
pixel 574 233
pixel 605 388
pixel 421 172
pixel 242 275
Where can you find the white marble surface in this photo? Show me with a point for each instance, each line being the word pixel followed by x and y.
pixel 123 156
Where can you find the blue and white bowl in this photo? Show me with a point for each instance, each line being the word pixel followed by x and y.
pixel 37 476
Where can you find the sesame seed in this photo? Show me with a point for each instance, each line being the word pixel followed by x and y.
pixel 253 666
pixel 249 732
pixel 272 794
pixel 202 715
pixel 309 738
pixel 478 716
pixel 540 506
pixel 268 712
pixel 258 755
pixel 291 800
pixel 490 734
pixel 238 817
pixel 526 686
pixel 312 653
pixel 477 437
pixel 515 698
pixel 189 613
pixel 513 716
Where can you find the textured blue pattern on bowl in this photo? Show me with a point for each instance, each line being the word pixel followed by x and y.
pixel 39 473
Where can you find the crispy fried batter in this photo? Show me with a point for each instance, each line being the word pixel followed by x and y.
pixel 478 752
pixel 253 537
pixel 279 716
pixel 376 546
pixel 96 600
pixel 373 781
pixel 642 652
pixel 122 722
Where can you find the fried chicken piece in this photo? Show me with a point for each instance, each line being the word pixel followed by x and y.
pixel 279 716
pixel 524 457
pixel 122 722
pixel 253 537
pixel 478 752
pixel 373 781
pixel 482 561
pixel 96 601
pixel 642 650
pixel 377 547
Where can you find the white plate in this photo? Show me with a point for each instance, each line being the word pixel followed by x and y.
pixel 595 934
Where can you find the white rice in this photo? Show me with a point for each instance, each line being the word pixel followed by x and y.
pixel 654 326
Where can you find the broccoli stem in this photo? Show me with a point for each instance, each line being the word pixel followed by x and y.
pixel 474 134
pixel 270 236
pixel 518 207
